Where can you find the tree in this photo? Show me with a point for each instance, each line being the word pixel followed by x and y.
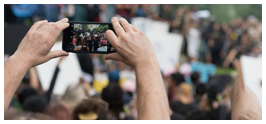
pixel 226 12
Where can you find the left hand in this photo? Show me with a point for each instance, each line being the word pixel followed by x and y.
pixel 35 47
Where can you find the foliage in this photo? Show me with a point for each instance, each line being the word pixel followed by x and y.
pixel 101 29
pixel 226 12
pixel 224 71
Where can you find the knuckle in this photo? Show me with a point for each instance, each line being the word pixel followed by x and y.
pixel 140 33
pixel 36 23
pixel 29 33
pixel 124 37
pixel 35 33
pixel 48 38
pixel 57 27
pixel 118 45
pixel 41 34
pixel 132 34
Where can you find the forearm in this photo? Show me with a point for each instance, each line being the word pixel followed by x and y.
pixel 231 55
pixel 245 104
pixel 15 70
pixel 152 101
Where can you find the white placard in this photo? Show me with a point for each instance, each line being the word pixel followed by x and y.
pixel 167 48
pixel 167 45
pixel 147 25
pixel 252 74
pixel 69 73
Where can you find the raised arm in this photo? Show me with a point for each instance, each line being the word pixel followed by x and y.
pixel 33 50
pixel 135 49
pixel 245 104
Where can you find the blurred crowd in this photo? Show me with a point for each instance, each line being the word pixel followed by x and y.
pixel 193 91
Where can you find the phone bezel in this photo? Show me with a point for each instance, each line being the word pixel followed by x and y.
pixel 66 38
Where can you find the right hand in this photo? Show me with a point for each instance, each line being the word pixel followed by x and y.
pixel 132 46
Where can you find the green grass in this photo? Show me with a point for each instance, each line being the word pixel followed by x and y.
pixel 224 71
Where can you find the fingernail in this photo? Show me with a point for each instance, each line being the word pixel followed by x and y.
pixel 114 18
pixel 66 19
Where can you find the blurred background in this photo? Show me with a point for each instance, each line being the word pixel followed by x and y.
pixel 195 45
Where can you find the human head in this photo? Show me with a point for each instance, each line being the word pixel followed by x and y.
pixel 35 103
pixel 59 110
pixel 91 109
pixel 74 94
pixel 176 79
pixel 93 38
pixel 195 77
pixel 216 85
pixel 103 42
pixel 200 89
pixel 113 76
pixel 184 89
pixel 26 93
pixel 216 27
pixel 113 95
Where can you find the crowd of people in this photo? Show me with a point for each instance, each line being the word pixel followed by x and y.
pixel 89 41
pixel 191 95
pixel 204 38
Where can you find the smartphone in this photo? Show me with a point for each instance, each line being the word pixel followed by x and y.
pixel 87 37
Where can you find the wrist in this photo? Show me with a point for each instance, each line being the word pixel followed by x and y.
pixel 20 61
pixel 148 63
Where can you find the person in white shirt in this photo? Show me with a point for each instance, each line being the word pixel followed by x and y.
pixel 103 46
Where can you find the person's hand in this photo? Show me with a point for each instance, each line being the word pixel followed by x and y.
pixel 35 47
pixel 132 46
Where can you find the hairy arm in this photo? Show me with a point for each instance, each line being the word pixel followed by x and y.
pixel 229 58
pixel 135 49
pixel 152 102
pixel 33 50
pixel 245 104
pixel 15 70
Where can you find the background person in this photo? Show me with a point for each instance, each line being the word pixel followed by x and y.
pixel 74 41
pixel 103 44
pixel 96 43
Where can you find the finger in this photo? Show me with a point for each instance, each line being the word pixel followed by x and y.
pixel 37 25
pixel 111 37
pixel 136 29
pixel 64 20
pixel 57 28
pixel 57 53
pixel 127 27
pixel 118 28
pixel 113 56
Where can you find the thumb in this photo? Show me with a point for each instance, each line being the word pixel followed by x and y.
pixel 113 56
pixel 57 53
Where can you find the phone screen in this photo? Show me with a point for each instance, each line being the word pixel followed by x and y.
pixel 87 38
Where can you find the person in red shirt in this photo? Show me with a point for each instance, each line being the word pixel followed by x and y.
pixel 74 41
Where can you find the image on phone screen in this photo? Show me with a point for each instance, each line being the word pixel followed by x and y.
pixel 88 38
